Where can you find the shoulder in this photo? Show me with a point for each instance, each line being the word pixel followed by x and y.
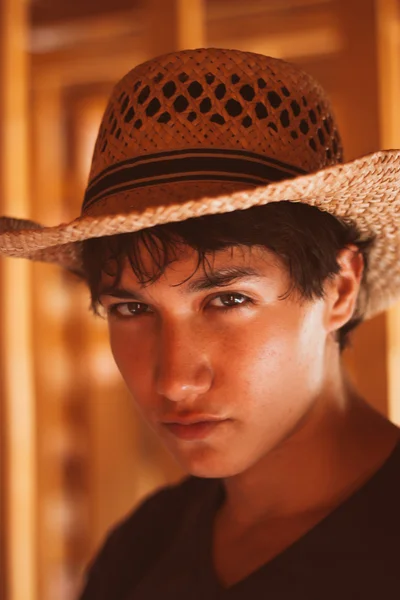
pixel 134 543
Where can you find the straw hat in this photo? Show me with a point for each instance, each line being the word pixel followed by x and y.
pixel 211 131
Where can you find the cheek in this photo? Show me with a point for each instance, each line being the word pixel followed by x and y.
pixel 132 354
pixel 269 364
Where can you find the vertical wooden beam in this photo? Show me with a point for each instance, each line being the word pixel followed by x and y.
pixel 358 66
pixel 357 69
pixel 175 25
pixel 48 308
pixel 81 137
pixel 18 425
pixel 388 29
pixel 388 43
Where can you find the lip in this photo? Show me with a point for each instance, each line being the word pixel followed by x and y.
pixel 191 419
pixel 194 431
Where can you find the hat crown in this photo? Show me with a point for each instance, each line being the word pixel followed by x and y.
pixel 221 99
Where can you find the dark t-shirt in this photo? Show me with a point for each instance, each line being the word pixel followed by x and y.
pixel 163 550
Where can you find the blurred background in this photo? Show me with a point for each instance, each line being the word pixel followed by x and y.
pixel 74 455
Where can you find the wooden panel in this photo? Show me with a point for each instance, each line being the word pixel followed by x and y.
pixel 56 446
pixel 174 25
pixel 3 462
pixel 100 63
pixel 18 492
pixel 360 116
pixel 54 11
pixel 50 12
pixel 388 26
pixel 302 31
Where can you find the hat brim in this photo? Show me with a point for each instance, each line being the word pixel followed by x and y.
pixel 365 192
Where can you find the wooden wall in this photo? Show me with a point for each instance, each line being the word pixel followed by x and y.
pixel 388 27
pixel 17 410
pixel 85 456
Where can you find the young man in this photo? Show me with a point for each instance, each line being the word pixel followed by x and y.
pixel 232 253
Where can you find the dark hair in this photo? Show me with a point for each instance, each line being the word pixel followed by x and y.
pixel 304 237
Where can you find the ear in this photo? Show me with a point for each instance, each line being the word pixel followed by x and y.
pixel 342 290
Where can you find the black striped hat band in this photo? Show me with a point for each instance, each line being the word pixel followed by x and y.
pixel 196 164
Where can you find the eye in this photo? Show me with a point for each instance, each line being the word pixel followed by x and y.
pixel 230 300
pixel 128 309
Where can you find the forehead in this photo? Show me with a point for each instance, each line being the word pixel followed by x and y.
pixel 183 262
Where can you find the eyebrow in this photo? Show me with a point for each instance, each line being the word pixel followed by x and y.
pixel 218 278
pixel 222 277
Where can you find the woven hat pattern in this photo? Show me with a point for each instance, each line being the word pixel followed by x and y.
pixel 223 99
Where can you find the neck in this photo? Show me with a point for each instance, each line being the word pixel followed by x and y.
pixel 339 444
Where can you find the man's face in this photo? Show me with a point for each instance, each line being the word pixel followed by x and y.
pixel 245 355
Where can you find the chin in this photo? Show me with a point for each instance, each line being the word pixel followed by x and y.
pixel 208 463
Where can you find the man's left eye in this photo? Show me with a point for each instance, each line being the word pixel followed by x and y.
pixel 230 300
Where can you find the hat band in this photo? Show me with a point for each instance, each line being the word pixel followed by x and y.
pixel 196 164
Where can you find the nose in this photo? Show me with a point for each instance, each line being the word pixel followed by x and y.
pixel 183 369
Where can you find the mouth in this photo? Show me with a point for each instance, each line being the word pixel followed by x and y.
pixel 194 431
